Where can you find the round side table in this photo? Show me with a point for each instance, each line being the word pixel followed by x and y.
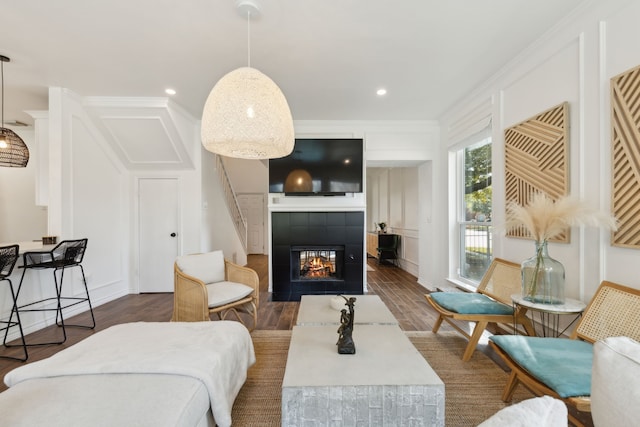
pixel 549 314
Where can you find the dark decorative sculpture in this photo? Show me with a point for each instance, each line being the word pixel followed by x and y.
pixel 345 340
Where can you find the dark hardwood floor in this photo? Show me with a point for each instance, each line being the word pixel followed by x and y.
pixel 397 288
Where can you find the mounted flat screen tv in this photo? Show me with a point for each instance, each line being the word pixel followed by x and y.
pixel 319 167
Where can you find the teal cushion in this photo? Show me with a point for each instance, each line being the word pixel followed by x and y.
pixel 469 303
pixel 561 364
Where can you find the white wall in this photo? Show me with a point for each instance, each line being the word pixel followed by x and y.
pixel 248 176
pixel 619 32
pixel 573 62
pixel 88 196
pixel 428 253
pixel 21 219
pixel 377 197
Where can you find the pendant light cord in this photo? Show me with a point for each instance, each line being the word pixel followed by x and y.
pixel 249 38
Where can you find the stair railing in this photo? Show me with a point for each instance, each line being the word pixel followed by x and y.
pixel 231 200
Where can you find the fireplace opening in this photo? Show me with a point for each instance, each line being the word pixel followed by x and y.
pixel 317 263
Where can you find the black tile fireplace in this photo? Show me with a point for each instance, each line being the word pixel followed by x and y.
pixel 316 253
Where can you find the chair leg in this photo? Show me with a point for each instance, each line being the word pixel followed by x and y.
pixel 473 340
pixel 437 324
pixel 520 316
pixel 22 308
pixel 575 421
pixel 510 387
pixel 77 300
pixel 251 309
pixel 10 323
pixel 235 313
pixel 86 290
pixel 60 322
pixel 253 312
pixel 255 316
pixel 528 326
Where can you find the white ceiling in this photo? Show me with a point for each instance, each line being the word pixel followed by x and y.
pixel 328 56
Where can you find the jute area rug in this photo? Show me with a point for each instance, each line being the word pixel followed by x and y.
pixel 472 389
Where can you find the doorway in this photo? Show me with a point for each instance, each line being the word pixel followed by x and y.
pixel 158 233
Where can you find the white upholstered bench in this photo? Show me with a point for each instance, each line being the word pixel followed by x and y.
pixel 143 374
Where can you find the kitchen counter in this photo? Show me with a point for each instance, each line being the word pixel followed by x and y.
pixel 30 246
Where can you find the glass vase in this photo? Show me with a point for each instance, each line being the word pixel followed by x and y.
pixel 542 277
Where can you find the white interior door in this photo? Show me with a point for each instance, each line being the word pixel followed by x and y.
pixel 252 207
pixel 158 233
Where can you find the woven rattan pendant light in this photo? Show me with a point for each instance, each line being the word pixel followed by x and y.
pixel 13 151
pixel 246 114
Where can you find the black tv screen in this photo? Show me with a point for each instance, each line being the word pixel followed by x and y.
pixel 319 167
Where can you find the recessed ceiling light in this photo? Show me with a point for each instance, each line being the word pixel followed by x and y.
pixel 381 92
pixel 170 91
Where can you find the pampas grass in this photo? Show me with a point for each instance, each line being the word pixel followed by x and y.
pixel 545 219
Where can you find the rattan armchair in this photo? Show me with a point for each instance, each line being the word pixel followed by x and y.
pixel 206 284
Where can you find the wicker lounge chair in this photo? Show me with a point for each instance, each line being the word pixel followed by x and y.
pixel 561 367
pixel 207 284
pixel 490 304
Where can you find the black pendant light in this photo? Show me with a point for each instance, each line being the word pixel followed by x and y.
pixel 13 151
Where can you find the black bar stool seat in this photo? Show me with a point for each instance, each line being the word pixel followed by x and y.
pixel 67 254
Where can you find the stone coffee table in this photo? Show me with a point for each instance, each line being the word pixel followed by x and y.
pixel 316 310
pixel 386 383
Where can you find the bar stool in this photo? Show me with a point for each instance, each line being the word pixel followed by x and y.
pixel 67 254
pixel 8 258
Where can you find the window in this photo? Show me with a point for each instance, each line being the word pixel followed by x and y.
pixel 475 210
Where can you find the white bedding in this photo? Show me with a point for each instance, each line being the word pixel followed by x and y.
pixel 216 353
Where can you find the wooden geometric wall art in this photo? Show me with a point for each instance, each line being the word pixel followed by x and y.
pixel 625 157
pixel 536 160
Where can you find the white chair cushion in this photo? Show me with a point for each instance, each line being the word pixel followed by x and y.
pixel 615 390
pixel 222 293
pixel 208 267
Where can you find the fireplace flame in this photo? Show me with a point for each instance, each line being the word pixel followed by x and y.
pixel 317 267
